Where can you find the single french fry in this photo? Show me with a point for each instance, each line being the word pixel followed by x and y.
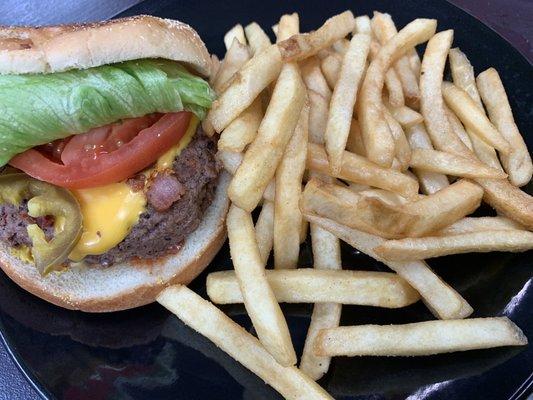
pixel 430 182
pixel 359 170
pixel 259 299
pixel 401 145
pixel 392 81
pixel 458 128
pixel 243 129
pixel 355 140
pixel 309 285
pixel 405 116
pixel 518 163
pixel 414 62
pixel 264 230
pixel 362 25
pixel 215 66
pixel 287 215
pixel 441 299
pixel 331 66
pixel 230 337
pixel 237 55
pixel 249 82
pixel 288 25
pixel 463 77
pixel 452 164
pixel 420 338
pixel 265 152
pixel 480 224
pixel 314 78
pixel 299 47
pixel 473 117
pixel 237 32
pixel 384 29
pixel 378 140
pixel 431 101
pixel 343 100
pixel 318 116
pixel 258 40
pixel 437 246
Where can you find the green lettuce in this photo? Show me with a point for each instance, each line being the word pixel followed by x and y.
pixel 37 109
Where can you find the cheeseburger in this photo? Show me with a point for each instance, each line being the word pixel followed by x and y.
pixel 109 189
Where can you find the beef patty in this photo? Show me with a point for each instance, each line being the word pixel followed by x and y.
pixel 177 200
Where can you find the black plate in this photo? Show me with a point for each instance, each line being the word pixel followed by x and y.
pixel 149 354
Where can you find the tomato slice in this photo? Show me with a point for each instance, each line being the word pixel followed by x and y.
pixel 108 154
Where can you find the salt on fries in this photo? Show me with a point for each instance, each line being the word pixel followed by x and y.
pixel 311 136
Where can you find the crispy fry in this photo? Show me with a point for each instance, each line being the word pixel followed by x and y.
pixel 452 164
pixel 362 25
pixel 289 24
pixel 437 246
pixel 463 77
pixel 401 145
pixel 458 128
pixel 473 117
pixel 480 224
pixel 420 338
pixel 257 38
pixel 405 116
pixel 305 45
pixel 243 129
pixel 359 170
pixel 331 67
pixel 209 321
pixel 378 140
pixel 414 62
pixel 441 299
pixel 287 215
pixel 264 230
pixel 318 116
pixel 431 101
pixel 343 100
pixel 237 32
pixel 259 299
pixel 264 154
pixel 430 182
pixel 314 78
pixel 253 77
pixel 237 55
pixel 308 285
pixel 326 256
pixel 384 29
pixel 392 82
pixel 518 163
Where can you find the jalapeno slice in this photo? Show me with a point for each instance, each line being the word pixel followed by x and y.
pixel 45 200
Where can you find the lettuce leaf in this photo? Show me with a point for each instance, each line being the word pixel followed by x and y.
pixel 37 109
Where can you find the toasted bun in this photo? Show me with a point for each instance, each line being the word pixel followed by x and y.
pixel 126 285
pixel 58 48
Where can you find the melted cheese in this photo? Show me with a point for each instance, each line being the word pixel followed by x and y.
pixel 110 212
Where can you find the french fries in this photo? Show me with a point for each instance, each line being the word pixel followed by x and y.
pixel 477 242
pixel 237 32
pixel 392 82
pixel 259 299
pixel 326 256
pixel 405 116
pixel 359 170
pixel 419 339
pixel 457 128
pixel 257 38
pixel 518 163
pixel 463 77
pixel 264 230
pixel 470 225
pixel 473 117
pixel 243 129
pixel 264 154
pixel 343 100
pixel 314 79
pixel 287 216
pixel 401 145
pixel 289 24
pixel 331 67
pixel 451 164
pixel 318 116
pixel 236 56
pixel 431 101
pixel 441 299
pixel 307 285
pixel 378 140
pixel 299 47
pixel 251 79
pixel 229 336
pixel 355 141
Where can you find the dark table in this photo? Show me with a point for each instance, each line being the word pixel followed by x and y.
pixel 510 18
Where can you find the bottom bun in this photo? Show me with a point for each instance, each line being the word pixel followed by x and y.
pixel 129 284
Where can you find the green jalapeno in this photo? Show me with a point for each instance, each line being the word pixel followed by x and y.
pixel 45 200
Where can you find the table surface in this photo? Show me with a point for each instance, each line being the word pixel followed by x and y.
pixel 510 18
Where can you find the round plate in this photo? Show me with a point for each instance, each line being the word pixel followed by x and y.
pixel 149 354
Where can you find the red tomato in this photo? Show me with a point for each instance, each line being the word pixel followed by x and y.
pixel 105 155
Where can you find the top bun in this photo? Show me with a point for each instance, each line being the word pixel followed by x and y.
pixel 78 46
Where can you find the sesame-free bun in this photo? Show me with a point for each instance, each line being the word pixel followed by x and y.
pixel 126 285
pixel 79 46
